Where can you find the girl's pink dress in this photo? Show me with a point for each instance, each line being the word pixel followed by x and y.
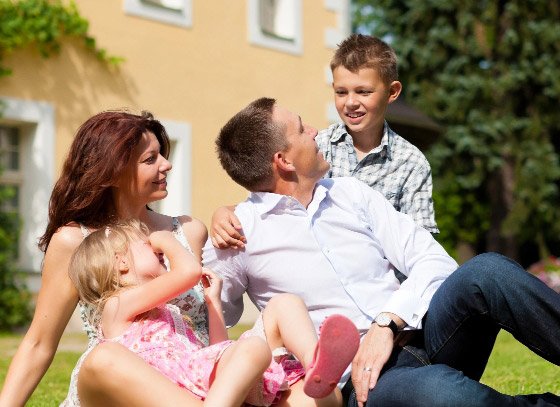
pixel 167 342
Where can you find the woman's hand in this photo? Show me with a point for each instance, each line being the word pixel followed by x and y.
pixel 212 286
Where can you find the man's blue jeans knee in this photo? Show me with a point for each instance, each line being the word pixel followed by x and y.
pixel 489 293
pixel 486 294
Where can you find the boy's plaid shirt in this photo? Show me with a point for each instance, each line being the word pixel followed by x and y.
pixel 396 168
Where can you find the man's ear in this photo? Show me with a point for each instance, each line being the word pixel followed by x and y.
pixel 282 162
pixel 394 91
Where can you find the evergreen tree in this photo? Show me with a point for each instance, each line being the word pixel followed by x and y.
pixel 489 71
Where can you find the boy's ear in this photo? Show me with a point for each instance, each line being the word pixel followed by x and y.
pixel 282 162
pixel 394 91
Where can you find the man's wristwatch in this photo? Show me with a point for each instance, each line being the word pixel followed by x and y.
pixel 384 319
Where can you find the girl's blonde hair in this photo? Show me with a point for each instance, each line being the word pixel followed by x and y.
pixel 93 266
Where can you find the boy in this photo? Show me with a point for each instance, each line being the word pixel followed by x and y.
pixel 362 146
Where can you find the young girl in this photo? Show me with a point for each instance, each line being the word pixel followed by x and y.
pixel 120 271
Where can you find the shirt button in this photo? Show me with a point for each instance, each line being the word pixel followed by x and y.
pixel 328 250
pixel 414 317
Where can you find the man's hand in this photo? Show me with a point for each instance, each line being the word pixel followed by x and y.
pixel 373 353
pixel 225 229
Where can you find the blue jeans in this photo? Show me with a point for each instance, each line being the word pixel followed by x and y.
pixel 442 368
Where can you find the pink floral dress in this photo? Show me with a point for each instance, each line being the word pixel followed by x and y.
pixel 165 339
pixel 191 303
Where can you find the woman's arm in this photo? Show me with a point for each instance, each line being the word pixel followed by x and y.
pixel 196 234
pixel 57 300
pixel 212 292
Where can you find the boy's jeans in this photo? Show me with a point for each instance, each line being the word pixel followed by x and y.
pixel 485 294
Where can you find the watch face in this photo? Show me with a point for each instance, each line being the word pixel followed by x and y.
pixel 383 320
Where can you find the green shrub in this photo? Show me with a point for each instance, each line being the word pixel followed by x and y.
pixel 15 309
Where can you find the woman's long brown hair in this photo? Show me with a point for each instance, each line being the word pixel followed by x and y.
pixel 100 151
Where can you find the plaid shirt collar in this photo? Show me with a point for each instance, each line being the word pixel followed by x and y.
pixel 386 141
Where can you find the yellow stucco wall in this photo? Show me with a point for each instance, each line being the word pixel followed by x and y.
pixel 200 75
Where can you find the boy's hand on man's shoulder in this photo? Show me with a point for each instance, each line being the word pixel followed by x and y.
pixel 225 229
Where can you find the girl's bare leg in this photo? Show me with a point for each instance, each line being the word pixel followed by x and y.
pixel 111 375
pixel 237 371
pixel 287 323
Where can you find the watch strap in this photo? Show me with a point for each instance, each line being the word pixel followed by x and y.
pixel 393 326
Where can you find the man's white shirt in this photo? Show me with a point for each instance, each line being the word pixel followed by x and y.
pixel 336 255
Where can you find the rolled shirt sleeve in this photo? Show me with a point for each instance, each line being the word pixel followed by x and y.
pixel 414 252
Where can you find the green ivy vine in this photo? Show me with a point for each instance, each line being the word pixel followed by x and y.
pixel 43 23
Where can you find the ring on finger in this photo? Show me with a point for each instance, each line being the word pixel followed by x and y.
pixel 367 369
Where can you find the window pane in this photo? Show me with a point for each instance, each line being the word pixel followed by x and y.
pixel 9 148
pixel 277 18
pixel 9 198
pixel 177 5
pixel 9 161
pixel 13 161
pixel 13 137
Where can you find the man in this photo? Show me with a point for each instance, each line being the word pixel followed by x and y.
pixel 332 242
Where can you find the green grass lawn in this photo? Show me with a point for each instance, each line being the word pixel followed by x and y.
pixel 54 386
pixel 512 368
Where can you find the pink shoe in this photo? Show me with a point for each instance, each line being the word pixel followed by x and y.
pixel 338 343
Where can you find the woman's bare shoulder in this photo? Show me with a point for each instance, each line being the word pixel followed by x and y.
pixel 67 237
pixel 57 257
pixel 194 228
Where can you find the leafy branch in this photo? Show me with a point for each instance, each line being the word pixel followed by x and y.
pixel 43 23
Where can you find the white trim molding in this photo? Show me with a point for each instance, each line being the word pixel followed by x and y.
pixel 181 16
pixel 259 38
pixel 333 37
pixel 36 120
pixel 179 179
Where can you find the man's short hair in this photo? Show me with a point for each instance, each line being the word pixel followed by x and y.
pixel 364 51
pixel 247 143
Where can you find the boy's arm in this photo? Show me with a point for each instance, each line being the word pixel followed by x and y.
pixel 225 229
pixel 417 198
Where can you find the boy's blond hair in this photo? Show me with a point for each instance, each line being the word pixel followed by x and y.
pixel 364 51
pixel 93 266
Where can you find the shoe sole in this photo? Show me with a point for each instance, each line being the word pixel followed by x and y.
pixel 338 343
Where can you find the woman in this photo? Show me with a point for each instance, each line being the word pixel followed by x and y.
pixel 116 166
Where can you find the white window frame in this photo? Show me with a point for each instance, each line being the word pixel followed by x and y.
pixel 13 177
pixel 144 9
pixel 36 121
pixel 257 37
pixel 179 179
